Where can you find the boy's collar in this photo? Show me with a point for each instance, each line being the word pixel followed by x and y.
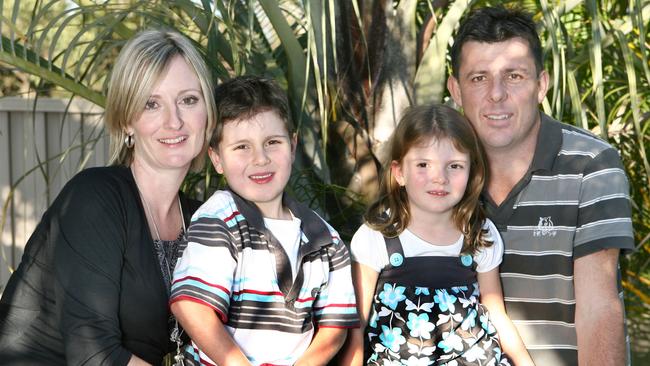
pixel 312 226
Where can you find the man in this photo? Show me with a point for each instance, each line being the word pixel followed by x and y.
pixel 558 195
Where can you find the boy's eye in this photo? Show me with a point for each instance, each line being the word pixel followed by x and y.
pixel 240 147
pixel 150 104
pixel 274 142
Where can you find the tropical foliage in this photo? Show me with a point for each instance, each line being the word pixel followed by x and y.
pixel 350 67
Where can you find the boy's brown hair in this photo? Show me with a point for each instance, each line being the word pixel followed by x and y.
pixel 245 96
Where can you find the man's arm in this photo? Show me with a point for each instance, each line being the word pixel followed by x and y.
pixel 599 311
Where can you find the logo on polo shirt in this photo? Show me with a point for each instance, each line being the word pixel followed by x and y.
pixel 545 227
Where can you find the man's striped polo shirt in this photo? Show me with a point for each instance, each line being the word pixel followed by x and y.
pixel 573 201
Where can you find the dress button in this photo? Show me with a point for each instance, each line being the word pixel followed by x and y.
pixel 396 259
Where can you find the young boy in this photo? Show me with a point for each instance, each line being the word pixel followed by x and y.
pixel 264 280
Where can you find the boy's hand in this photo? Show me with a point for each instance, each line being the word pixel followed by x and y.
pixel 324 346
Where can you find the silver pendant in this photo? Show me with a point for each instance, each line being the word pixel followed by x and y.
pixel 176 338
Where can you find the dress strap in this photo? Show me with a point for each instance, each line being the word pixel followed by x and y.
pixel 395 251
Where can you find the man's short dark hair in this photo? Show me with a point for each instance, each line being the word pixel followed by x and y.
pixel 496 24
pixel 245 96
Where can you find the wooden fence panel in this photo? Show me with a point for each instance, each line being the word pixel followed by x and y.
pixel 41 147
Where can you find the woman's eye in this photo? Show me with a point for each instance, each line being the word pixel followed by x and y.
pixel 421 165
pixel 150 104
pixel 190 100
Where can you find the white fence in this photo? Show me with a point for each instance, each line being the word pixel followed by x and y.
pixel 43 144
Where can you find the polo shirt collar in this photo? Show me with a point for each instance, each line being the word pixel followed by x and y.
pixel 311 225
pixel 549 142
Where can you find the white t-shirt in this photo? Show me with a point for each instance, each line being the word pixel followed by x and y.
pixel 369 248
pixel 288 234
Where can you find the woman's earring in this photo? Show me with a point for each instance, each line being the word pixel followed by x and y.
pixel 129 141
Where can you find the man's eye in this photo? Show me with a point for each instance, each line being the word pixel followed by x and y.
pixel 478 78
pixel 515 77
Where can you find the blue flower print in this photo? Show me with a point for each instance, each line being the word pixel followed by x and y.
pixel 451 342
pixel 421 291
pixel 391 338
pixel 486 324
pixel 420 325
pixel 373 319
pixel 497 353
pixel 445 300
pixel 457 289
pixel 392 295
pixel 476 291
pixel 470 321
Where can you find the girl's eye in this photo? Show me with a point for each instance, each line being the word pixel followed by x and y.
pixel 190 100
pixel 421 165
pixel 150 104
pixel 457 166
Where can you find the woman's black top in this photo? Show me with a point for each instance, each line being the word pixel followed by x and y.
pixel 89 288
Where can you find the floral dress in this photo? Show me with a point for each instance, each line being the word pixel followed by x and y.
pixel 426 312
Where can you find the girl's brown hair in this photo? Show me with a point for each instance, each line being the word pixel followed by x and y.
pixel 390 213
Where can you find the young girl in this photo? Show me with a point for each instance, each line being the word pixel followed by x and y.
pixel 425 251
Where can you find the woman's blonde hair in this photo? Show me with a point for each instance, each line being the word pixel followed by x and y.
pixel 138 68
pixel 390 213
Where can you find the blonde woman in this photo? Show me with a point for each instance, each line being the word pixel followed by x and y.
pixel 93 284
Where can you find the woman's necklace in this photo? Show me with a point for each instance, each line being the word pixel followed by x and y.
pixel 165 260
pixel 150 214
